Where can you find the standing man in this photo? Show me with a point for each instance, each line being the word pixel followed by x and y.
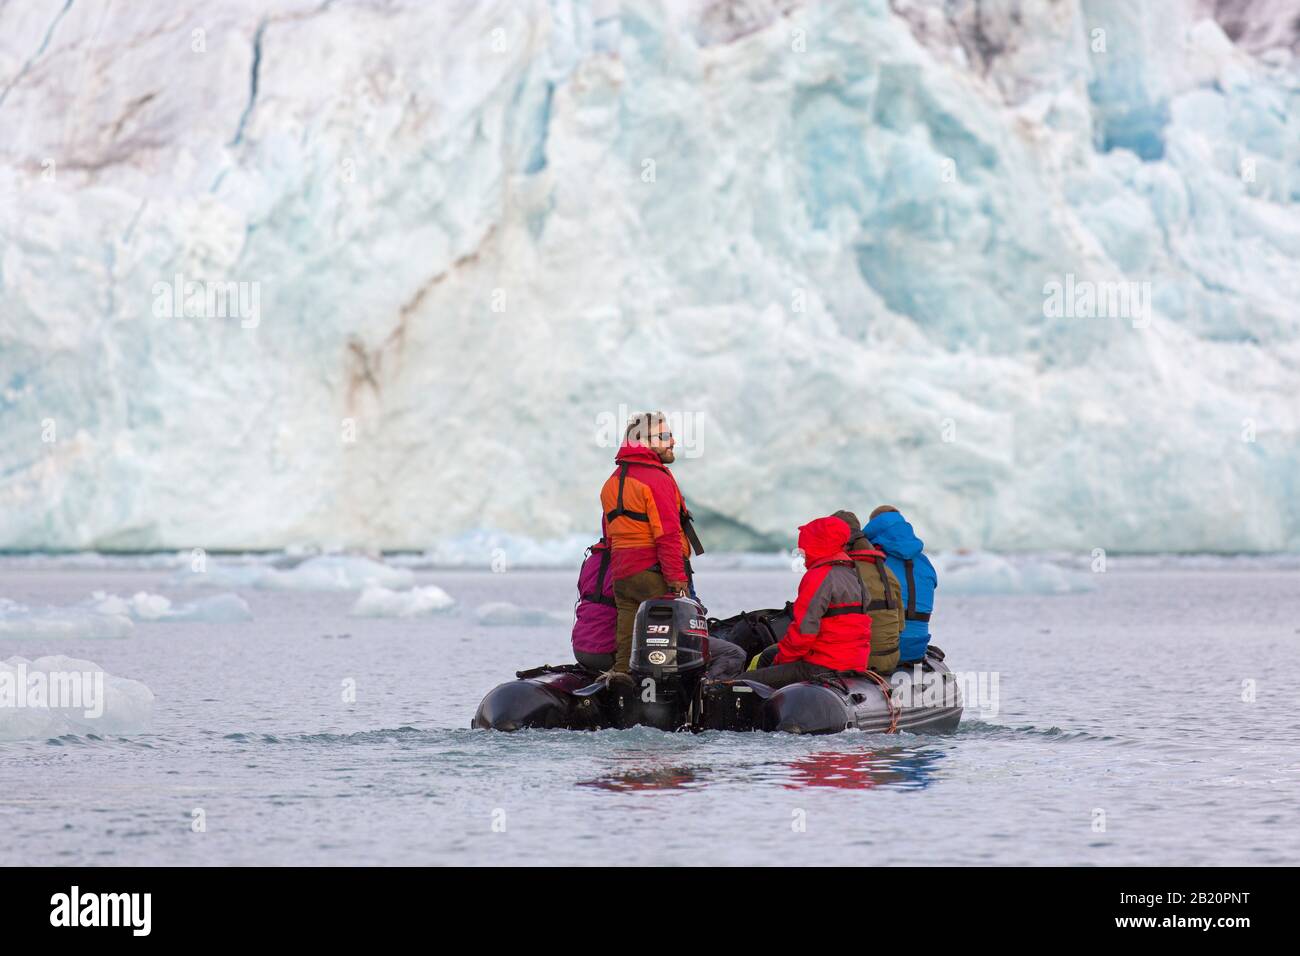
pixel 650 535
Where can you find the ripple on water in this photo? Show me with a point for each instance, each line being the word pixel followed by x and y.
pixel 980 728
pixel 88 740
pixel 398 734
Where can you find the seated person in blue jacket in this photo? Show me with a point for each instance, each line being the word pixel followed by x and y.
pixel 889 531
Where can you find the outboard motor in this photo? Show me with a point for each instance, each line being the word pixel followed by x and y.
pixel 670 655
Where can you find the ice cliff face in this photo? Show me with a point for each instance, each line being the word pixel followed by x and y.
pixel 1028 269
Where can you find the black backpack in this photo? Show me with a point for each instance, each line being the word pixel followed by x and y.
pixel 753 631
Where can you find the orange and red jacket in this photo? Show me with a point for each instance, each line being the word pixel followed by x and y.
pixel 643 511
pixel 830 625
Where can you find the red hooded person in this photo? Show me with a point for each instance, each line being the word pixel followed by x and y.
pixel 830 626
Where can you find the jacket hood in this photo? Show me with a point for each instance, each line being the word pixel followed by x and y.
pixel 850 519
pixel 633 451
pixel 859 543
pixel 890 531
pixel 822 538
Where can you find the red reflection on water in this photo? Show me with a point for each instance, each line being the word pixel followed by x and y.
pixel 862 769
pixel 893 767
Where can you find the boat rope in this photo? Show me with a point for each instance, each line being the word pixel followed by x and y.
pixel 894 709
pixel 836 680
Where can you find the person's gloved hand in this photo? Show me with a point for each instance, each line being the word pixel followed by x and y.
pixel 617 677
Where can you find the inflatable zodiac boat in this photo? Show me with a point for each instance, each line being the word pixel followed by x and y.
pixel 668 689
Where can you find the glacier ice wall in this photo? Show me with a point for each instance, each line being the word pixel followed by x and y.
pixel 821 234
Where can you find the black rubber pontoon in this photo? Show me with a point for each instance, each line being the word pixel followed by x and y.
pixel 667 691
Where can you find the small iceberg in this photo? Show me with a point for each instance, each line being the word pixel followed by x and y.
pixel 499 551
pixel 505 614
pixel 376 601
pixel 980 572
pixel 143 606
pixel 749 561
pixel 331 572
pixel 72 623
pixel 56 695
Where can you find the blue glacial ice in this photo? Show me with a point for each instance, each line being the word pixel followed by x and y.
pixel 824 234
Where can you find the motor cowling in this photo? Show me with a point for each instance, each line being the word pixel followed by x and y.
pixel 670 655
pixel 670 636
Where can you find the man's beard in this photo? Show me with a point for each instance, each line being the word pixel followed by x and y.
pixel 666 455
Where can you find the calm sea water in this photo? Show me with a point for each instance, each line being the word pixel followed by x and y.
pixel 1121 737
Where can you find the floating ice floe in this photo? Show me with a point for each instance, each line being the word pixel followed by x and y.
pixel 376 601
pixel 323 573
pixel 58 695
pixel 499 551
pixel 75 622
pixel 108 615
pixel 143 606
pixel 748 561
pixel 979 572
pixel 1202 562
pixel 505 614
